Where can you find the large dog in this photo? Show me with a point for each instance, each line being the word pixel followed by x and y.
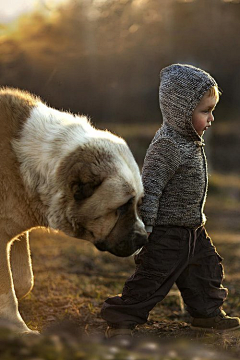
pixel 58 171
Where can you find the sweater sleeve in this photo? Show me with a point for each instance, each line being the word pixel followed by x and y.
pixel 161 162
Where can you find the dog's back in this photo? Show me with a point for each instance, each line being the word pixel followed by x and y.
pixel 15 107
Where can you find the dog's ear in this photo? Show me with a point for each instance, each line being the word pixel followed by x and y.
pixel 82 191
pixel 82 181
pixel 82 172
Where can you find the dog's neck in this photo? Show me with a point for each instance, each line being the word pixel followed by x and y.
pixel 47 137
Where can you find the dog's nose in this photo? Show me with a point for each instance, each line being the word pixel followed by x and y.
pixel 101 245
pixel 140 239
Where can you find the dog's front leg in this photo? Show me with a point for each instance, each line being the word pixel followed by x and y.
pixel 21 266
pixel 8 300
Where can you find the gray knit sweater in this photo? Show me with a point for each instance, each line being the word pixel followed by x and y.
pixel 175 168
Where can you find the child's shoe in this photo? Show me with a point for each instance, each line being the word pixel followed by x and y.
pixel 115 332
pixel 120 337
pixel 221 322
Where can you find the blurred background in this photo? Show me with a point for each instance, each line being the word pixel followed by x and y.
pixel 102 58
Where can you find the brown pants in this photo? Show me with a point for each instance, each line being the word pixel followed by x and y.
pixel 172 255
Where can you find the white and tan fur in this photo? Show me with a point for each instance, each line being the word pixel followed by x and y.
pixel 58 171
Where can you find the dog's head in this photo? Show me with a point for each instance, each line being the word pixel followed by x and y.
pixel 98 193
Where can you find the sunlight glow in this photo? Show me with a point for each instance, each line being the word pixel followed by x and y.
pixel 11 9
pixel 99 2
pixel 232 1
pixel 186 1
pixel 133 28
pixel 139 3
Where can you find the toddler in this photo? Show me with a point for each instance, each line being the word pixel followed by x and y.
pixel 175 182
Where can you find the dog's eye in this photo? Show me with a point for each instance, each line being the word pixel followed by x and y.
pixel 82 191
pixel 123 208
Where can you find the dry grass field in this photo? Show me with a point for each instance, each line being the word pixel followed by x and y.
pixel 72 279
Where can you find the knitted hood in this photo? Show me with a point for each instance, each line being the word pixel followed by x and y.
pixel 181 89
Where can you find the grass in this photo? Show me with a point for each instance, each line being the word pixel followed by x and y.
pixel 72 279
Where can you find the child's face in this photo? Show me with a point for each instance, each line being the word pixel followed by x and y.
pixel 203 113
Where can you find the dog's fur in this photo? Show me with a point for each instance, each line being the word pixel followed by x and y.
pixel 58 171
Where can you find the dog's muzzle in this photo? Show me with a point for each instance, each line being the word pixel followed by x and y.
pixel 101 245
pixel 125 247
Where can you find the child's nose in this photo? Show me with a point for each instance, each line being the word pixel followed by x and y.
pixel 211 118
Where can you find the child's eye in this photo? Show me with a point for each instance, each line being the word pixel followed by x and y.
pixel 208 111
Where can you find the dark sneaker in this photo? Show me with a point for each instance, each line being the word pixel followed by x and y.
pixel 221 322
pixel 119 337
pixel 114 332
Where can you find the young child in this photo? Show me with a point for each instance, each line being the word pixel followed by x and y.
pixel 175 182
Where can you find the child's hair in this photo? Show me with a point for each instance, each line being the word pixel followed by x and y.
pixel 214 91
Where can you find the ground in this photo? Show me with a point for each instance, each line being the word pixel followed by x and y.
pixel 72 279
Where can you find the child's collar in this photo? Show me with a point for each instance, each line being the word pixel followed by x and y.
pixel 199 142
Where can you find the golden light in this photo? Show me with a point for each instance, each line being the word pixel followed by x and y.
pixel 11 9
pixel 99 2
pixel 133 28
pixel 232 1
pixel 185 1
pixel 139 3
